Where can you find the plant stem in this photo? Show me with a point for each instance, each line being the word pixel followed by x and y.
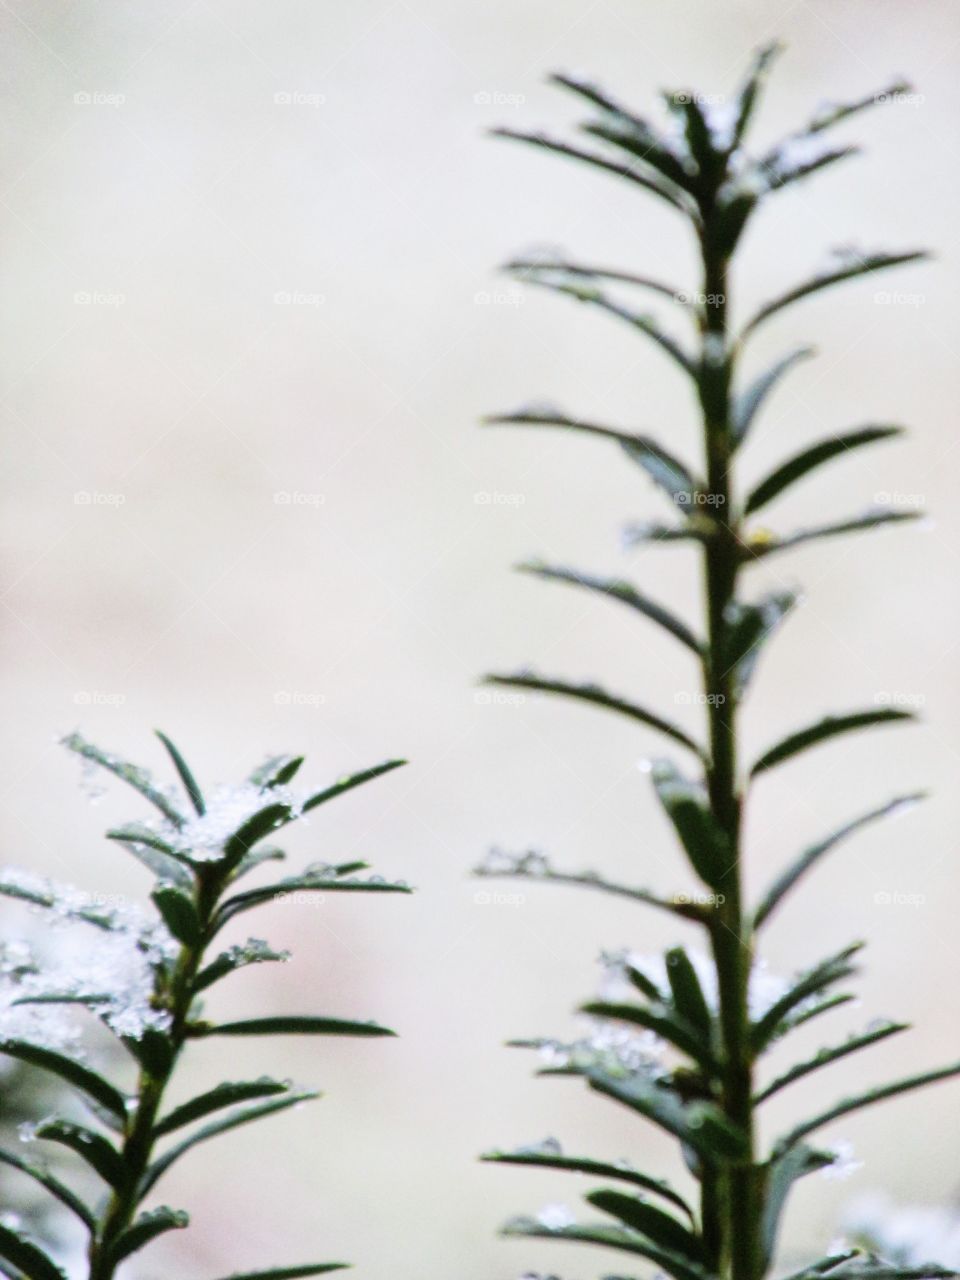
pixel 139 1137
pixel 737 1210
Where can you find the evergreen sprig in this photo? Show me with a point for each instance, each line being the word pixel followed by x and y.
pixel 145 973
pixel 679 1042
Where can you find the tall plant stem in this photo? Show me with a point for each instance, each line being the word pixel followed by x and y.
pixel 730 1203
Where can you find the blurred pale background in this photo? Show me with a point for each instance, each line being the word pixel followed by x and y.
pixel 150 168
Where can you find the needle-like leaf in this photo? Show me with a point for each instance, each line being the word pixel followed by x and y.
pixel 598 697
pixel 621 591
pixel 825 729
pixel 812 855
pixel 807 460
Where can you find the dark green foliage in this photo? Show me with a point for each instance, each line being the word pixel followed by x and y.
pixel 197 852
pixel 713 1017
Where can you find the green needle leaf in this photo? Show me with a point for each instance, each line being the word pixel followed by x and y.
pixel 276 772
pixel 688 998
pixel 598 697
pixel 749 626
pixel 815 456
pixel 334 882
pixel 41 1175
pixel 674 1264
pixel 700 1125
pixel 74 1073
pixel 781 1173
pixel 28 1258
pixel 155 853
pixel 873 519
pixel 522 268
pixel 270 818
pixel 290 1273
pixel 792 162
pixel 145 1228
pixel 665 470
pixel 867 1099
pixel 660 1227
pixel 835 112
pixel 620 1171
pixel 179 913
pixel 186 777
pixel 132 774
pixel 861 265
pixel 640 321
pixel 688 807
pixel 811 856
pixel 812 982
pixel 623 592
pixel 661 1022
pixel 825 1057
pixel 747 98
pixel 747 405
pixel 635 172
pixel 290 1024
pixel 224 1095
pixel 825 729
pixel 806 1013
pixel 242 1116
pixel 629 131
pixel 92 1147
pixel 349 782
pixel 239 957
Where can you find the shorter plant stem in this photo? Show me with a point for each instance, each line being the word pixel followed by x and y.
pixel 139 1136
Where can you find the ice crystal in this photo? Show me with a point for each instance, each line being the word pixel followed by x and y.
pixel 110 965
pixel 555 1217
pixel 764 991
pixel 546 1147
pixel 607 1047
pixel 721 118
pixel 906 1235
pixel 228 808
pixel 844 1163
pixel 498 862
pixel 799 151
pixel 254 951
pixel 539 409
